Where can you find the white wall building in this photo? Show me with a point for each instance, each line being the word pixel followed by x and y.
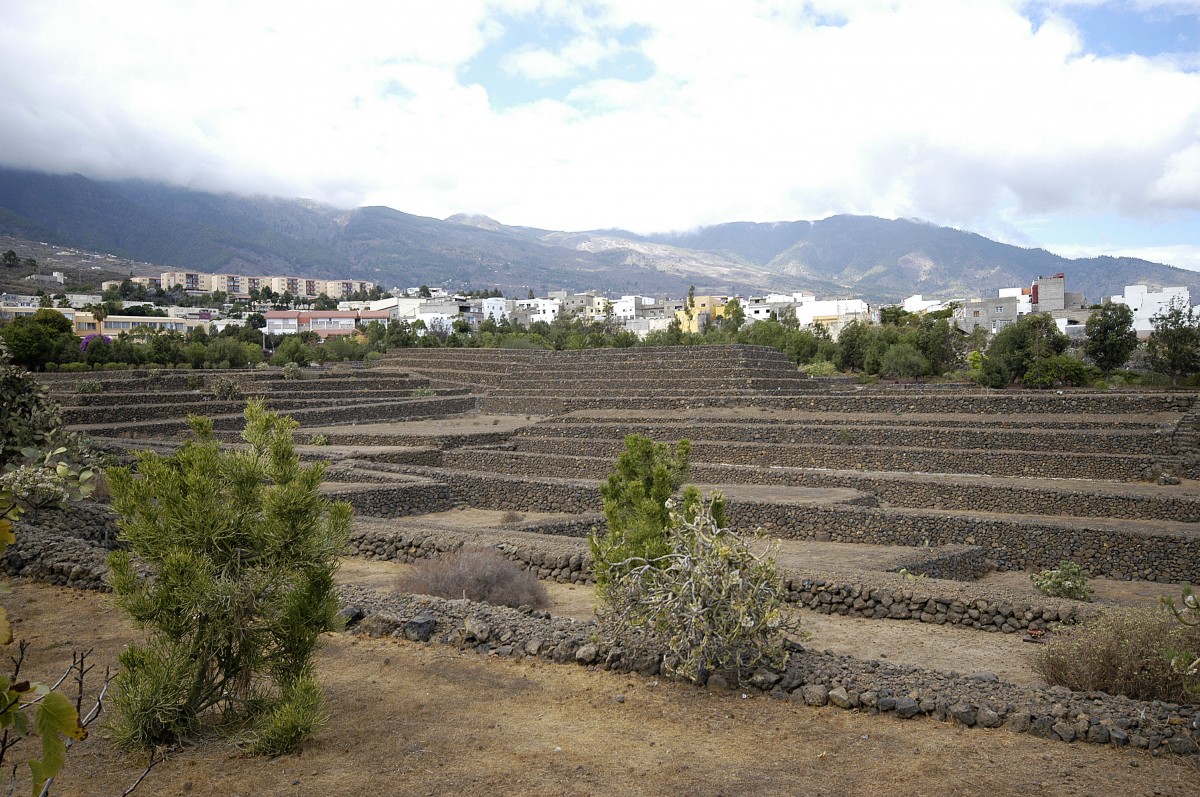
pixel 1146 303
pixel 833 314
pixel 496 308
pixel 539 309
pixel 919 304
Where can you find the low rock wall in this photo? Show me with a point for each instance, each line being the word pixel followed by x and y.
pixel 1013 544
pixel 957 492
pixel 977 700
pixel 909 459
pixel 392 499
pixel 409 409
pixel 1056 440
pixel 865 401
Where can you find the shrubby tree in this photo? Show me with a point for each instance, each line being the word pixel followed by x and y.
pixel 230 570
pixel 735 315
pixel 1017 347
pixel 1111 338
pixel 635 499
pixel 707 604
pixel 902 360
pixel 1174 346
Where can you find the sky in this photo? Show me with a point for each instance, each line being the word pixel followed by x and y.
pixel 1072 125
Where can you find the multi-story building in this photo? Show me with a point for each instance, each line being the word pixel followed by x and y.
pixel 325 323
pixel 833 314
pixel 1146 304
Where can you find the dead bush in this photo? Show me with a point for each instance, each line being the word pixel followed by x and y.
pixel 1125 652
pixel 481 574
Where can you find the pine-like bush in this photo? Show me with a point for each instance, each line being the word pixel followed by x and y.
pixel 230 571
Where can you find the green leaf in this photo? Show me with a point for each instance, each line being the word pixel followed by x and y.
pixel 54 717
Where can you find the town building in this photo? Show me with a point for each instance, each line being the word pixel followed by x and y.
pixel 1146 304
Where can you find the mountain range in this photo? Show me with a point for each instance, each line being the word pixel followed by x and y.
pixel 877 259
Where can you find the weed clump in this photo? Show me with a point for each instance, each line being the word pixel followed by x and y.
pixel 479 574
pixel 1127 652
pixel 1068 580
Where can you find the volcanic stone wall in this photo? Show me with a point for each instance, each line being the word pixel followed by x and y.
pixel 993 462
pixel 896 489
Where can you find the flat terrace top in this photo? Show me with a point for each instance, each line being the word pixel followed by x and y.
pixel 784 494
pixel 467 424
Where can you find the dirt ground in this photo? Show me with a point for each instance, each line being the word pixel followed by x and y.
pixel 411 719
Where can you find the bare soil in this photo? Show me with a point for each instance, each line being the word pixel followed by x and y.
pixel 411 719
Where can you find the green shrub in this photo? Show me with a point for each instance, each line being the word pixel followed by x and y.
pixel 423 391
pixel 230 571
pixel 1125 652
pixel 480 574
pixel 292 371
pixel 89 386
pixel 709 605
pixel 1060 369
pixel 635 495
pixel 226 388
pixel 819 368
pixel 318 440
pixel 1068 580
pixel 51 367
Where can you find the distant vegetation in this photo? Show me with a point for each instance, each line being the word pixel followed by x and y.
pixel 1030 352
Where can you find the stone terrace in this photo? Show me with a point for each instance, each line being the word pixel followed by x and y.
pixel 945 480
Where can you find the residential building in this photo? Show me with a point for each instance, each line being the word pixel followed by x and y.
pixel 325 323
pixel 833 314
pixel 1146 304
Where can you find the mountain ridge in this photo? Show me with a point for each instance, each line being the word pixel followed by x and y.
pixel 881 260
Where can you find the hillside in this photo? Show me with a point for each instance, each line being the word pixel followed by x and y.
pixel 877 259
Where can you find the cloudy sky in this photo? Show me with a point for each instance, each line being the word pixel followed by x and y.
pixel 1068 124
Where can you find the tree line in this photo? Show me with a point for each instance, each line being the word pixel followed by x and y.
pixel 1031 352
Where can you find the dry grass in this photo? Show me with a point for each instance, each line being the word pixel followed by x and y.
pixel 481 574
pixel 1122 652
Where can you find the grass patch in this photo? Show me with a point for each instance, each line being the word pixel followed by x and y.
pixel 480 574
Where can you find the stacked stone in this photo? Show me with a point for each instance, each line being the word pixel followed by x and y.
pixel 977 700
pixel 893 603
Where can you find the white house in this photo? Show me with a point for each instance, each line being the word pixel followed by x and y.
pixel 833 314
pixel 496 308
pixel 538 309
pixel 1146 303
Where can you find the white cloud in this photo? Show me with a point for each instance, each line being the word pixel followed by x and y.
pixel 1179 255
pixel 961 113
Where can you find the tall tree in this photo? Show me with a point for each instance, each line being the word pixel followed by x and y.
pixel 1174 345
pixel 1111 338
pixel 1020 345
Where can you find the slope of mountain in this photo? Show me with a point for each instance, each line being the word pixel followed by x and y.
pixel 877 259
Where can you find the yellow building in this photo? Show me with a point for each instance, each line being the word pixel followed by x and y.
pixel 702 311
